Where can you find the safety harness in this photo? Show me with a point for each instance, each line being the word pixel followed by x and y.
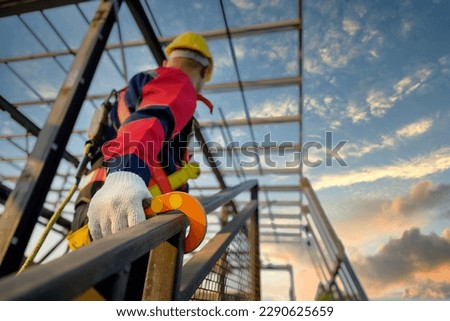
pixel 161 185
pixel 159 182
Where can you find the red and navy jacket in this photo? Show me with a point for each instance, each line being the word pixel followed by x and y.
pixel 152 133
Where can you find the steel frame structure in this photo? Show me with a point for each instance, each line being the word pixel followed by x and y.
pixel 24 204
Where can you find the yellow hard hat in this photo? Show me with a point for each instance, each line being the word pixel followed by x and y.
pixel 193 41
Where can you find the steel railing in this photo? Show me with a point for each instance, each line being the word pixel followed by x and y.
pixel 146 261
pixel 328 253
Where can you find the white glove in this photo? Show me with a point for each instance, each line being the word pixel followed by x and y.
pixel 117 205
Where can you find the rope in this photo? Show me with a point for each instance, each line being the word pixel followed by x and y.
pixel 59 210
pixel 47 229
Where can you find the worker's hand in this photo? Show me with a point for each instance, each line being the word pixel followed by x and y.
pixel 117 205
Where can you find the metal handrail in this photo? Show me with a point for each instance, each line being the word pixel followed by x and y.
pixel 333 245
pixel 76 272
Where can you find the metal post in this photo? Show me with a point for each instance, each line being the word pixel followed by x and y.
pixel 163 277
pixel 253 235
pixel 25 202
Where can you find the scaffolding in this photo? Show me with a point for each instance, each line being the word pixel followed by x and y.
pixel 37 177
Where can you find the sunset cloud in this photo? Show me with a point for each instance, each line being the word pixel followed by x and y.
pixel 427 290
pixel 376 217
pixel 418 167
pixel 423 195
pixel 400 258
pixel 403 260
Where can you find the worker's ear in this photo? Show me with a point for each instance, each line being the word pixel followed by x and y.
pixel 203 72
pixel 164 63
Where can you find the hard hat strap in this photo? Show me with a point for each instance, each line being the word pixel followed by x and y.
pixel 203 61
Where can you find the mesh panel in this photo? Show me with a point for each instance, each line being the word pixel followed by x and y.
pixel 233 277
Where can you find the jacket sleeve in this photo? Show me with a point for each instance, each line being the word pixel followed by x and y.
pixel 164 104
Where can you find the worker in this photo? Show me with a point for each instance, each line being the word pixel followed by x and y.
pixel 153 118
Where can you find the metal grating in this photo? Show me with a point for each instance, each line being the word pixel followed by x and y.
pixel 231 279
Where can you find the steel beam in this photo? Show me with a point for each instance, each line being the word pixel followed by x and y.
pixel 11 7
pixel 31 127
pixel 280 188
pixel 221 87
pixel 255 171
pixel 147 31
pixel 260 148
pixel 263 28
pixel 284 25
pixel 253 84
pixel 25 202
pixel 6 191
pixel 255 121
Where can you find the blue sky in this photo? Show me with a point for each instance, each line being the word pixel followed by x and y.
pixel 375 73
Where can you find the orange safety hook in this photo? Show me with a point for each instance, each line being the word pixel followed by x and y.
pixel 189 206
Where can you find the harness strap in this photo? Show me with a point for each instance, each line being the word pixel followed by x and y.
pixel 97 175
pixel 206 102
pixel 159 177
pixel 122 109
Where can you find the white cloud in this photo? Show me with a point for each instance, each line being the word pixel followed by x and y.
pixel 388 141
pixel 223 60
pixel 328 100
pixel 374 53
pixel 379 102
pixel 313 105
pixel 415 129
pixel 313 66
pixel 410 83
pixel 360 10
pixel 46 90
pixel 244 4
pixel 198 5
pixel 335 124
pixel 444 60
pixel 239 50
pixel 406 26
pixel 372 34
pixel 278 52
pixel 335 56
pixel 275 108
pixel 421 166
pixel 356 114
pixel 291 66
pixel 350 26
pixel 359 150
